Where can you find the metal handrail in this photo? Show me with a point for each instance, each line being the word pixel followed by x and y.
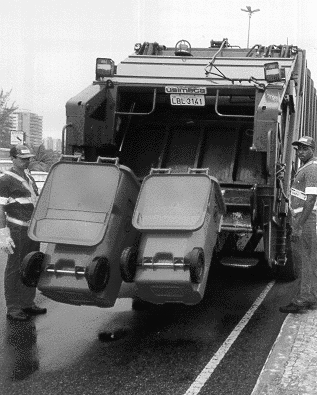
pixel 140 113
pixel 228 115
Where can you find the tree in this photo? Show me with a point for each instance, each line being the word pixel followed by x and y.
pixel 43 159
pixel 5 120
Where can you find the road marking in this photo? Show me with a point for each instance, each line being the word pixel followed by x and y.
pixel 216 359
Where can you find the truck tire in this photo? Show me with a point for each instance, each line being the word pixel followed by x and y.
pixel 289 272
pixel 128 261
pixel 196 261
pixel 31 268
pixel 97 274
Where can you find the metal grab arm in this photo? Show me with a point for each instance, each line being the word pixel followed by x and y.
pixel 228 115
pixel 63 136
pixel 140 113
pixel 268 152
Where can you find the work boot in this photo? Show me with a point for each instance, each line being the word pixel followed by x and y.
pixel 295 308
pixel 18 316
pixel 35 310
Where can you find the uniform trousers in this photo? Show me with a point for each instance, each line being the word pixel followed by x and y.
pixel 17 295
pixel 305 256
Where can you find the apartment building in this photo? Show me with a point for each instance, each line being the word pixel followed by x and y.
pixel 52 144
pixel 30 124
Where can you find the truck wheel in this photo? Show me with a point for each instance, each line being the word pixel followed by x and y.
pixel 196 261
pixel 289 272
pixel 31 268
pixel 97 274
pixel 128 263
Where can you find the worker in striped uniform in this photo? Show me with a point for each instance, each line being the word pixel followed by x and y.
pixel 304 238
pixel 18 196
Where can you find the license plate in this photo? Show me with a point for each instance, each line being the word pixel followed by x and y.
pixel 187 100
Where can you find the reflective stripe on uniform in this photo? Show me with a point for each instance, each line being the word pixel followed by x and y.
pixel 25 184
pixel 311 191
pixel 21 200
pixel 300 209
pixel 3 201
pixel 17 221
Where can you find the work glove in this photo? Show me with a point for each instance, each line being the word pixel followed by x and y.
pixel 6 243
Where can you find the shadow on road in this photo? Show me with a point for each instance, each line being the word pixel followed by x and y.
pixel 20 349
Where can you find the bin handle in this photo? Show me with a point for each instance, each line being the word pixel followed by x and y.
pixel 71 158
pixel 104 159
pixel 160 171
pixel 198 171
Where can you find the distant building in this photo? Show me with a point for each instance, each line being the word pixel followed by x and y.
pixel 48 142
pixel 57 145
pixel 53 144
pixel 30 124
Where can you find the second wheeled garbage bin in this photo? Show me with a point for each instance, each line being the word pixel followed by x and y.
pixel 179 217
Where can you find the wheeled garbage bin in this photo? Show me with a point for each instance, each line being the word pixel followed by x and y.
pixel 84 214
pixel 179 216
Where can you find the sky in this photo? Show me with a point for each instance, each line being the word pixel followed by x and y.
pixel 48 48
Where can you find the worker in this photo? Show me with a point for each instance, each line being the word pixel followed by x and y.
pixel 18 196
pixel 304 238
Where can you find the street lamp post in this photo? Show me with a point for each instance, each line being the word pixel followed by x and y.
pixel 250 12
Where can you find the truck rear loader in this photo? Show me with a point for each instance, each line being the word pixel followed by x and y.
pixel 174 160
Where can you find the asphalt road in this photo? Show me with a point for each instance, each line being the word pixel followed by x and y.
pixel 177 350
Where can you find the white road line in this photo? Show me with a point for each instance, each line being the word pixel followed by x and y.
pixel 216 359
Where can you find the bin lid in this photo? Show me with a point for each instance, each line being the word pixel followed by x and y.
pixel 172 202
pixel 75 204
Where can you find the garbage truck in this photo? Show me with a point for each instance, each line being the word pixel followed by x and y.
pixel 174 160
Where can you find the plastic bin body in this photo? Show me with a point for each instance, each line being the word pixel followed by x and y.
pixel 175 213
pixel 84 211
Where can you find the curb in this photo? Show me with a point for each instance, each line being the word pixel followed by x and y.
pixel 291 366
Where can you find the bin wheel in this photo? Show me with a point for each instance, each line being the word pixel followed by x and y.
pixel 97 274
pixel 31 268
pixel 196 261
pixel 128 262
